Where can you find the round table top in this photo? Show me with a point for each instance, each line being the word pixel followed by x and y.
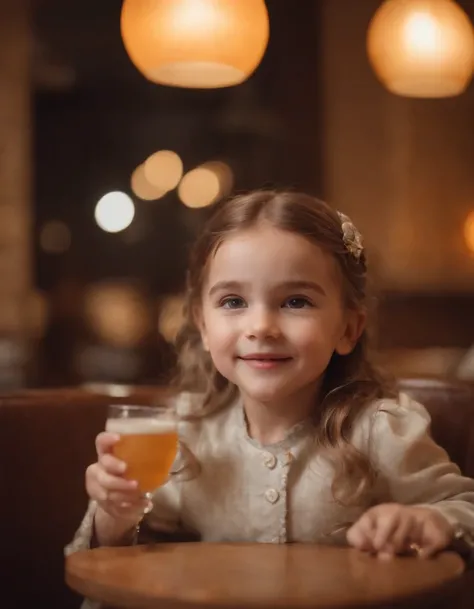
pixel 256 576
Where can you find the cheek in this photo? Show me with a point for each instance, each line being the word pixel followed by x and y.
pixel 221 343
pixel 219 332
pixel 312 333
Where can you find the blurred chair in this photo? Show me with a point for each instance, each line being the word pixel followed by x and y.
pixel 422 362
pixel 46 442
pixel 451 406
pixel 465 368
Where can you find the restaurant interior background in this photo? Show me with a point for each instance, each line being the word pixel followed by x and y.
pixel 80 305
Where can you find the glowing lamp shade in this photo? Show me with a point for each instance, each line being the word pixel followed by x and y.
pixel 202 44
pixel 422 48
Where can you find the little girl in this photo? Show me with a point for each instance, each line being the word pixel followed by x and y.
pixel 288 433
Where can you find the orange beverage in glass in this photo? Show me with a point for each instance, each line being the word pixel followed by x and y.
pixel 148 442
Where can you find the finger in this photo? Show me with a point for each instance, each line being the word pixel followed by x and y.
pixel 124 511
pixel 125 507
pixel 112 465
pixel 360 534
pixel 100 494
pixel 132 499
pixel 385 526
pixel 102 487
pixel 405 533
pixel 96 476
pixel 435 536
pixel 105 442
pixel 110 482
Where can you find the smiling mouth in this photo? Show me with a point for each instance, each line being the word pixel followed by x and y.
pixel 265 361
pixel 275 357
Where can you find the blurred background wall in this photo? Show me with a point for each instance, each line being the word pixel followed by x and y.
pixel 79 304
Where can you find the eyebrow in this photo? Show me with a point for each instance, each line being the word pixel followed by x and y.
pixel 305 285
pixel 294 285
pixel 225 285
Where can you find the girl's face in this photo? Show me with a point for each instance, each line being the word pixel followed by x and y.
pixel 273 314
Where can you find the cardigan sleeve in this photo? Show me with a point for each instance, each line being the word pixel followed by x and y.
pixel 412 468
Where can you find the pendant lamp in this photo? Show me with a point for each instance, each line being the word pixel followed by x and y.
pixel 422 48
pixel 195 43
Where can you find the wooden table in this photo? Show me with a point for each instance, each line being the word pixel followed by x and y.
pixel 255 576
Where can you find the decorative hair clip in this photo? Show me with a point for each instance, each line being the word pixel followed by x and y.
pixel 351 236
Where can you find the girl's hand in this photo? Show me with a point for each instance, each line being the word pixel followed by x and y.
pixel 389 529
pixel 105 483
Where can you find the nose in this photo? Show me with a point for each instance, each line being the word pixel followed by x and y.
pixel 262 323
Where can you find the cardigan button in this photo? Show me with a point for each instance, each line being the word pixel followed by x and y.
pixel 272 495
pixel 269 461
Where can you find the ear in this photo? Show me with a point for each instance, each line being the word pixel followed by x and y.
pixel 201 326
pixel 354 326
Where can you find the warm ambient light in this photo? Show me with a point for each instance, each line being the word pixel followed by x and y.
pixel 469 232
pixel 422 48
pixel 163 170
pixel 224 175
pixel 117 313
pixel 142 188
pixel 195 43
pixel 199 188
pixel 171 317
pixel 114 212
pixel 206 184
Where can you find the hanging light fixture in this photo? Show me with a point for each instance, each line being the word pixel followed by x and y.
pixel 422 48
pixel 195 43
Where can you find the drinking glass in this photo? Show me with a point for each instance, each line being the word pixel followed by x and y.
pixel 148 443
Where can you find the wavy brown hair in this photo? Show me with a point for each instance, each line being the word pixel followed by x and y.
pixel 350 382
